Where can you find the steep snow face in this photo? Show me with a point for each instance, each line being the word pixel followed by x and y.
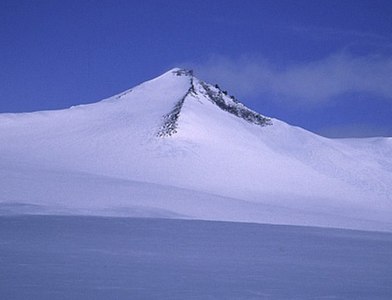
pixel 176 146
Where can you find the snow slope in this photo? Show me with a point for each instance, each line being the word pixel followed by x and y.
pixel 177 147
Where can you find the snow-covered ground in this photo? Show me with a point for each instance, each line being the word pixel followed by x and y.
pixel 48 257
pixel 180 148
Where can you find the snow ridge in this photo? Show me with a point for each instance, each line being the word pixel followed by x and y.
pixel 170 123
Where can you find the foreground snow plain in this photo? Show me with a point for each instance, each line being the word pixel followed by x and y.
pixel 71 257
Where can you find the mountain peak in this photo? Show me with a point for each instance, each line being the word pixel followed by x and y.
pixel 182 72
pixel 177 72
pixel 201 92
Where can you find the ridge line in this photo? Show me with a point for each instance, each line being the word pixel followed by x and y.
pixel 170 120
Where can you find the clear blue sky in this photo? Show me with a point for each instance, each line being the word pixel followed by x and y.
pixel 322 65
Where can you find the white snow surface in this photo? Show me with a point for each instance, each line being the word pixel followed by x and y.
pixel 111 158
pixel 79 257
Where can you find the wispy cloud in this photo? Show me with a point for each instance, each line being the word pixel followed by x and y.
pixel 328 33
pixel 308 82
pixel 355 130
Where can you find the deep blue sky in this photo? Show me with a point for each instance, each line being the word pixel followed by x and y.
pixel 322 65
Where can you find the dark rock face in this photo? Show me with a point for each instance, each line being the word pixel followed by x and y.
pixel 183 72
pixel 170 122
pixel 236 108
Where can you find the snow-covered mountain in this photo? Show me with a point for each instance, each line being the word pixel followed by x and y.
pixel 178 147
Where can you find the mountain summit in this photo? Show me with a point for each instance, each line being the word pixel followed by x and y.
pixel 178 147
pixel 201 91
